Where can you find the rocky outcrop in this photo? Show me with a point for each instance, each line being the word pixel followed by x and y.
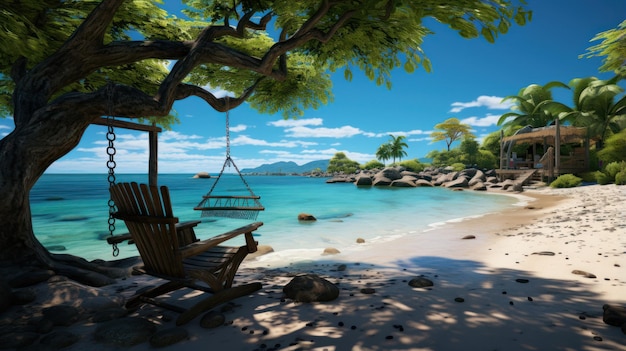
pixel 471 178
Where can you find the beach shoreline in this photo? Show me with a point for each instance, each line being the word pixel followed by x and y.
pixel 510 287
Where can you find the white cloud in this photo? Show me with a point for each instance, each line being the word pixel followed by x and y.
pixel 397 133
pixel 488 120
pixel 238 128
pixel 490 102
pixel 305 132
pixel 289 123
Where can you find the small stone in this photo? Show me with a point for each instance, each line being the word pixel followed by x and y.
pixel 59 339
pixel 168 337
pixel 127 331
pixel 467 237
pixel 521 280
pixel 420 282
pixel 544 253
pixel 368 291
pixel 63 315
pixel 330 251
pixel 360 240
pixel 459 299
pixel 212 320
pixel 584 274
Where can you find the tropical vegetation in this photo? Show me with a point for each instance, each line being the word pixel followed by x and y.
pixel 450 131
pixel 63 65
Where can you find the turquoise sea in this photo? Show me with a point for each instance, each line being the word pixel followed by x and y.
pixel 70 211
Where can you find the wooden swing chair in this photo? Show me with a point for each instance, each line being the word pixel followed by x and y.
pixel 170 250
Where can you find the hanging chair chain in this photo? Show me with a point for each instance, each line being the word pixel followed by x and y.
pixel 229 161
pixel 111 164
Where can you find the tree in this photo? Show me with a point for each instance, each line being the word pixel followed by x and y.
pixel 469 148
pixel 340 163
pixel 451 130
pixel 383 152
pixel 65 64
pixel 596 107
pixel 613 47
pixel 527 107
pixel 396 147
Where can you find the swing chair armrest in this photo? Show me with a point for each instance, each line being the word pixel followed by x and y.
pixel 187 224
pixel 203 245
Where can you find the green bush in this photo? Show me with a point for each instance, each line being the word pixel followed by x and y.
pixel 614 148
pixel 373 164
pixel 458 167
pixel 589 177
pixel 602 178
pixel 566 181
pixel 412 165
pixel 620 178
pixel 614 167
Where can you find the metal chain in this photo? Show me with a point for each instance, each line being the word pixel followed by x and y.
pixel 111 166
pixel 229 161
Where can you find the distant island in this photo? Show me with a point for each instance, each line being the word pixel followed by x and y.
pixel 289 167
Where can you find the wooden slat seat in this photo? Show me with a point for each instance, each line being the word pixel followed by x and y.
pixel 171 251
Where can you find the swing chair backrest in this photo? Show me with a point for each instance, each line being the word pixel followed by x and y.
pixel 147 213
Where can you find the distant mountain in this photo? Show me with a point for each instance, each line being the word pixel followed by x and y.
pixel 288 167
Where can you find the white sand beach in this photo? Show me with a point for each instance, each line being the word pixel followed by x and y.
pixel 512 287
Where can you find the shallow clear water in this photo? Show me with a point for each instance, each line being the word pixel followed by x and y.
pixel 70 211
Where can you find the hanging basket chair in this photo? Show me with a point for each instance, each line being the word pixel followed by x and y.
pixel 230 206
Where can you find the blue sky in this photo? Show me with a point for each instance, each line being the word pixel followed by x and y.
pixel 468 80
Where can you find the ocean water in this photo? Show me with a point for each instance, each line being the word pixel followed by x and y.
pixel 70 211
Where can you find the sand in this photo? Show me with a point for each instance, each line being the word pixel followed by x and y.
pixel 509 288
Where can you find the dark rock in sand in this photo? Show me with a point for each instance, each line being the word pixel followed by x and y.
pixel 360 240
pixel 59 339
pixel 467 237
pixel 459 299
pixel 583 273
pixel 522 280
pixel 368 291
pixel 614 315
pixel 544 253
pixel 310 288
pixel 125 332
pixel 330 251
pixel 168 337
pixel 305 217
pixel 420 282
pixel 63 315
pixel 212 320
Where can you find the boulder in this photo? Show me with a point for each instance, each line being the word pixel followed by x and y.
pixel 363 179
pixel 614 315
pixel 310 288
pixel 380 180
pixel 390 173
pixel 480 186
pixel 204 175
pixel 423 182
pixel 405 182
pixel 306 217
pixel 460 182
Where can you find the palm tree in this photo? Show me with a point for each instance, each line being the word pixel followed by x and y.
pixel 397 145
pixel 594 107
pixel 384 152
pixel 526 102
